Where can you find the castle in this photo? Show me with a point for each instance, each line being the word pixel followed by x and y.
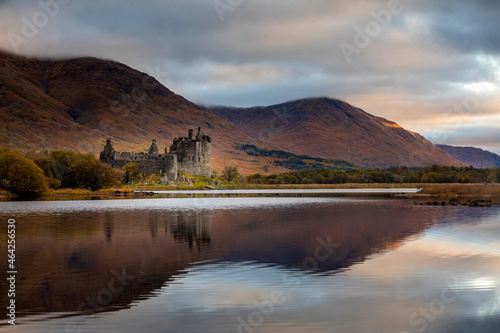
pixel 189 154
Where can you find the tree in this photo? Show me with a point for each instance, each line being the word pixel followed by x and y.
pixel 413 178
pixel 44 164
pixel 76 170
pixel 20 175
pixel 306 180
pixel 254 179
pixel 289 179
pixel 131 173
pixel 229 173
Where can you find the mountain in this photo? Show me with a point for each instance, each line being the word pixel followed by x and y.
pixel 476 157
pixel 330 128
pixel 75 104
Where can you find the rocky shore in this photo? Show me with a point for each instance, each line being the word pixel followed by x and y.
pixel 456 202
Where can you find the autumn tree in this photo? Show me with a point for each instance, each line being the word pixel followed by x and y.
pixel 76 170
pixel 131 173
pixel 20 175
pixel 229 173
pixel 44 164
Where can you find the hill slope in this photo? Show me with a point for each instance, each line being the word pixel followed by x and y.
pixel 75 104
pixel 329 128
pixel 476 157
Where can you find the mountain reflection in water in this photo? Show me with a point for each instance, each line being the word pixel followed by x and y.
pixel 102 257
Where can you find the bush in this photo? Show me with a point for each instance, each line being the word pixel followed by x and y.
pixel 414 178
pixel 20 175
pixel 289 179
pixel 306 180
pixel 44 164
pixel 76 170
pixel 254 179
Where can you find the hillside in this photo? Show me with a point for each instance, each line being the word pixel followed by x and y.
pixel 476 157
pixel 75 104
pixel 329 128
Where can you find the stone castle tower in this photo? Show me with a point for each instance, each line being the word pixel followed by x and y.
pixel 189 154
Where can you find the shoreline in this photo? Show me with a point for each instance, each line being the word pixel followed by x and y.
pixel 469 191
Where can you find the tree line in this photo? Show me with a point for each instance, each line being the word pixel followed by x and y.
pixel 27 177
pixel 297 162
pixel 402 174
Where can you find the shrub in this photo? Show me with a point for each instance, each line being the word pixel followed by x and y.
pixel 44 164
pixel 414 178
pixel 289 179
pixel 254 179
pixel 76 170
pixel 20 175
pixel 306 180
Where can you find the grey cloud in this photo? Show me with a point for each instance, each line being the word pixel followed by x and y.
pixel 468 135
pixel 468 26
pixel 429 61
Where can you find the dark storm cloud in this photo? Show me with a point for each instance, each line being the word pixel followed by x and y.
pixel 430 56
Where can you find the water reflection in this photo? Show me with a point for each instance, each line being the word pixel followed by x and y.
pixel 194 268
pixel 192 227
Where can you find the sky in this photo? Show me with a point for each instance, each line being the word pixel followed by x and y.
pixel 431 66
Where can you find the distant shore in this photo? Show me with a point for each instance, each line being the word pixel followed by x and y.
pixel 428 190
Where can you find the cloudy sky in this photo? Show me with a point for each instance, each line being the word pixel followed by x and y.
pixel 431 66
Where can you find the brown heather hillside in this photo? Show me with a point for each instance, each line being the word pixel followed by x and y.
pixel 476 157
pixel 75 104
pixel 329 128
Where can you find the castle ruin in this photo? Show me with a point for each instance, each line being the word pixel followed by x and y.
pixel 189 154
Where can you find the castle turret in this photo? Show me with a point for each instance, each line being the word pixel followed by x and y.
pixel 199 135
pixel 190 134
pixel 171 166
pixel 108 154
pixel 153 150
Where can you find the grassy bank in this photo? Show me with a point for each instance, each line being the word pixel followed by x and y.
pixel 477 190
pixel 330 186
pixel 462 189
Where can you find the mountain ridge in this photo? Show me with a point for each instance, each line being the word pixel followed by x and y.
pixel 331 128
pixel 477 157
pixel 75 104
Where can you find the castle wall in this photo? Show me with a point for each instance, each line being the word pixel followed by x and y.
pixel 171 166
pixel 143 166
pixel 193 157
pixel 187 154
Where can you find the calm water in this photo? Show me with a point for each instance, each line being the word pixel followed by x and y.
pixel 300 191
pixel 258 264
